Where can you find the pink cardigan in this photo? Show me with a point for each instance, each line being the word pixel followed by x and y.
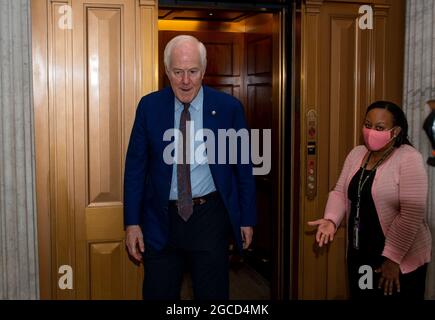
pixel 400 193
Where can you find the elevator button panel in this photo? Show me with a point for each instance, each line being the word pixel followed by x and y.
pixel 311 155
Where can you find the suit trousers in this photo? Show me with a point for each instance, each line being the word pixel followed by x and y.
pixel 199 245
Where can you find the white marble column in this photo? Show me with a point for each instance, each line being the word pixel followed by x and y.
pixel 18 240
pixel 419 87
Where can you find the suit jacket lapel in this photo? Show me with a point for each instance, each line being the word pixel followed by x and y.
pixel 167 110
pixel 210 121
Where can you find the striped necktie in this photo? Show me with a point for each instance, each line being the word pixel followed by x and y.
pixel 185 205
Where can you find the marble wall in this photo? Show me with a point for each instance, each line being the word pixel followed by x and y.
pixel 18 240
pixel 419 87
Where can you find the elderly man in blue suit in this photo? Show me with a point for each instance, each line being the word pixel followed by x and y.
pixel 181 214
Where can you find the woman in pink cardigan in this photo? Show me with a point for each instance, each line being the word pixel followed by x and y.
pixel 382 191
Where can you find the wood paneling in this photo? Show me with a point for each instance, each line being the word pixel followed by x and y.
pixel 395 52
pixel 147 59
pixel 379 72
pixel 104 106
pixel 259 53
pixel 61 145
pixel 106 270
pixel 344 69
pixel 342 91
pixel 39 13
pixel 96 72
pixel 224 54
pixel 312 263
pixel 104 56
pixel 259 112
pixel 264 110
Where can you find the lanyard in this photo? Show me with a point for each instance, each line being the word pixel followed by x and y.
pixel 361 184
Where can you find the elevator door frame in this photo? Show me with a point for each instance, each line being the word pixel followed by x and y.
pixel 282 282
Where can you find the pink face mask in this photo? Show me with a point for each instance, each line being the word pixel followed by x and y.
pixel 376 140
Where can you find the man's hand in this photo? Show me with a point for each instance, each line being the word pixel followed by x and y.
pixel 247 233
pixel 390 273
pixel 134 242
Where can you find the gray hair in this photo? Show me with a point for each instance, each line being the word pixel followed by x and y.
pixel 174 42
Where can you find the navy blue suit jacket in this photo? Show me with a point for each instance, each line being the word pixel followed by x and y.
pixel 147 179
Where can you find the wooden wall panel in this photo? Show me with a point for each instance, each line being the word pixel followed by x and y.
pixel 94 76
pixel 228 89
pixel 343 109
pixel 312 262
pixel 344 69
pixel 105 106
pixel 260 112
pixel 147 59
pixel 259 105
pixel 259 53
pixel 342 90
pixel 39 12
pixel 104 56
pixel 224 54
pixel 379 71
pixel 395 53
pixel 61 141
pixel 106 269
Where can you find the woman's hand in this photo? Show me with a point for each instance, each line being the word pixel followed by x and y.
pixel 325 231
pixel 390 272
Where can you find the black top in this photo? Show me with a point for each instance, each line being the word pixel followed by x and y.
pixel 371 237
pixel 428 128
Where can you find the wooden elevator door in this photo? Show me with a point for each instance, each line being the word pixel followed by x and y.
pixel 94 81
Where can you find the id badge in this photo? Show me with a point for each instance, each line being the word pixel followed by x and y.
pixel 356 235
